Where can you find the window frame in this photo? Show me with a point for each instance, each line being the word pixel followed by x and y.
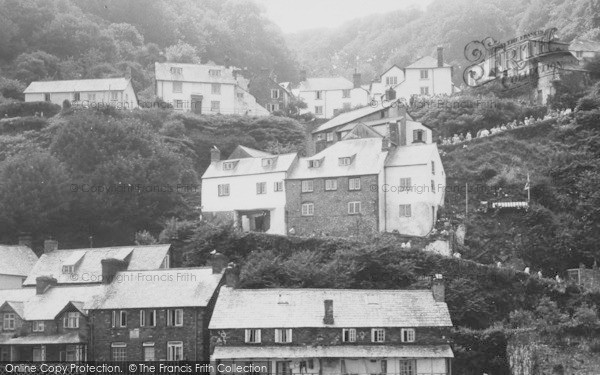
pixel 71 320
pixel 215 106
pixel 307 186
pixel 310 209
pixel 329 136
pixel 278 186
pixel 177 87
pixel 275 94
pixel 123 318
pixel 223 190
pixel 424 90
pixel 345 161
pixel 377 335
pixel 215 88
pixel 410 334
pixel 354 183
pixel 172 354
pixel 331 184
pixel 405 210
pixel 405 184
pixel 318 110
pixel 352 208
pixel 38 326
pixel 346 93
pixel 351 332
pixel 249 338
pixel 261 188
pixel 424 73
pixel 47 97
pixel 283 333
pixel 9 321
pixel 319 95
pixel 175 318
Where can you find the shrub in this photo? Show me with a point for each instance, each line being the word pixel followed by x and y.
pixel 20 124
pixel 21 109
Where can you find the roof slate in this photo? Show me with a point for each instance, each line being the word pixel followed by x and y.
pixel 253 308
pixel 65 338
pixel 325 84
pixel 193 73
pixel 413 154
pixel 250 166
pixel 426 62
pixel 16 260
pixel 77 85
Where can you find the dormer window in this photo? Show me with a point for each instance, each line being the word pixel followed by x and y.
pixel 407 335
pixel 227 166
pixel 314 163
pixel 71 320
pixel 176 70
pixel 418 136
pixel 68 269
pixel 268 162
pixel 345 160
pixel 214 72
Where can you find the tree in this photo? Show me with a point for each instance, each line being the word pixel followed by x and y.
pixel 36 66
pixel 182 53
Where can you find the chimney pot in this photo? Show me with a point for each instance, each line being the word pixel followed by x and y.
pixel 438 288
pixel 440 57
pixel 215 154
pixel 25 240
pixel 394 133
pixel 50 246
pixel 328 318
pixel 232 275
pixel 218 262
pixel 357 80
pixel 42 283
pixel 110 268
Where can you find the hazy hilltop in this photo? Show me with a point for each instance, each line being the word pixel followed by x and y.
pixel 374 43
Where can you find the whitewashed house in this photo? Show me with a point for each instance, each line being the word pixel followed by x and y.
pixel 117 92
pixel 332 331
pixel 325 97
pixel 205 89
pixel 247 189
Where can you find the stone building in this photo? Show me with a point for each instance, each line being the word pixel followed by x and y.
pixel 333 331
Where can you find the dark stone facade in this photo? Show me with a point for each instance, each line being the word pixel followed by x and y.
pixel 331 208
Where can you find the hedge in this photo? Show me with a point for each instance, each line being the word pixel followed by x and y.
pixel 22 109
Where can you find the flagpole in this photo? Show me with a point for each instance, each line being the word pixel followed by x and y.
pixel 528 189
pixel 466 202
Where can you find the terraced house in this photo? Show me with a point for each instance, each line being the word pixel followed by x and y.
pixel 333 331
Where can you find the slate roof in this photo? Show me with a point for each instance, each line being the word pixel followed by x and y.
pixel 16 260
pixel 176 287
pixel 354 115
pixel 89 268
pixel 325 84
pixel 368 160
pixel 260 308
pixel 65 338
pixel 338 351
pixel 426 62
pixel 77 85
pixel 411 155
pixel 252 153
pixel 250 166
pixel 193 73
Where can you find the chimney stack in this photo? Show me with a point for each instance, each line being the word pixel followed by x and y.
pixel 328 318
pixel 232 275
pixel 215 154
pixel 357 79
pixel 302 75
pixel 50 246
pixel 42 283
pixel 440 57
pixel 390 94
pixel 25 240
pixel 217 261
pixel 110 268
pixel 438 288
pixel 394 133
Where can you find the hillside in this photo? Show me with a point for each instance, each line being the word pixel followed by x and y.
pixel 374 43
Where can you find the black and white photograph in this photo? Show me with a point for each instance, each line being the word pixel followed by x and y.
pixel 300 187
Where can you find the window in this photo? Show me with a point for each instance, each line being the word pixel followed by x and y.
pixel 391 80
pixel 314 163
pixel 71 320
pixel 267 162
pixel 178 104
pixel 424 74
pixel 407 335
pixel 175 70
pixel 384 366
pixel 223 190
pixel 345 93
pixel 46 97
pixel 175 318
pixel 76 96
pixel 424 90
pixel 574 275
pixel 215 88
pixel 579 54
pixel 354 184
pixel 113 322
pixel 405 210
pixel 308 209
pixel 331 184
pixel 347 106
pixel 353 208
pixel 278 186
pixel 68 269
pixel 274 94
pixel 214 72
pixel 114 95
pixel 348 335
pixel 149 353
pixel 318 95
pixel 418 135
pixel 229 165
pixel 119 351
pixel 432 167
pixel 261 188
pixel 39 353
pixel 123 319
pixel 345 160
pixel 378 335
pixel 177 87
pixel 253 336
pixel 408 367
pixel 307 186
pixel 283 335
pixel 405 184
pixel 329 137
pixel 272 107
pixel 174 351
pixel 147 318
pixel 240 95
pixel 318 110
pixel 91 97
pixel 8 323
pixel 215 106
pixel 38 326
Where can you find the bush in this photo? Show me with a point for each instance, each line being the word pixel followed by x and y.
pixel 22 109
pixel 20 124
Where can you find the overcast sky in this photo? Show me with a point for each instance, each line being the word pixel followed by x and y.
pixel 296 15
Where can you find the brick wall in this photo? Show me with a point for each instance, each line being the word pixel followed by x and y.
pixel 331 208
pixel 331 336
